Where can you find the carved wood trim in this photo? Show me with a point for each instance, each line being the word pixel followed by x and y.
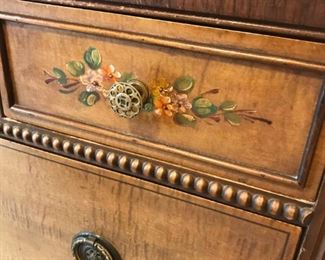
pixel 171 43
pixel 312 139
pixel 239 196
pixel 5 75
pixel 311 246
pixel 222 22
pixel 23 114
pixel 276 176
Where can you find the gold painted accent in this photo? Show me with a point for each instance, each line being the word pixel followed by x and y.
pixel 56 144
pixel 187 180
pixel 26 135
pixel 100 156
pixel 274 207
pixel 46 142
pixel 200 184
pixel 147 169
pixel 123 162
pixel 89 153
pixel 160 173
pixel 228 193
pixel 214 188
pixel 243 198
pixel 111 159
pixel 259 202
pixel 135 165
pixel 173 177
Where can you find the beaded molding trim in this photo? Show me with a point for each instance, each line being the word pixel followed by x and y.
pixel 255 201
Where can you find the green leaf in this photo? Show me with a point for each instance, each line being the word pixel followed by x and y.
pixel 61 76
pixel 232 118
pixel 228 105
pixel 148 106
pixel 203 107
pixel 126 77
pixel 76 68
pixel 93 58
pixel 184 84
pixel 185 119
pixel 89 98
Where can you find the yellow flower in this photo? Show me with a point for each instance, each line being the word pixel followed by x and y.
pixel 161 87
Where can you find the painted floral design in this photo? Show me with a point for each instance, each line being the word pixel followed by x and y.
pixel 110 74
pixel 92 80
pixel 166 99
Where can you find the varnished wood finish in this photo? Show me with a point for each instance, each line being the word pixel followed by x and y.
pixel 249 91
pixel 232 194
pixel 289 12
pixel 313 244
pixel 301 12
pixel 294 100
pixel 154 189
pixel 62 197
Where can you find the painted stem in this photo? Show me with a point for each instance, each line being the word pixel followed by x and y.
pixel 48 81
pixel 264 120
pixel 248 119
pixel 71 84
pixel 48 74
pixel 250 111
pixel 245 114
pixel 55 78
pixel 211 91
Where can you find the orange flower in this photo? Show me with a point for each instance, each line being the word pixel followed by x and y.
pixel 109 73
pixel 164 105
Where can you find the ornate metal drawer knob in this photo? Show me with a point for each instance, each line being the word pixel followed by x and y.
pixel 127 98
pixel 89 246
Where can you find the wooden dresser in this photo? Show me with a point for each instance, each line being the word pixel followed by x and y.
pixel 162 130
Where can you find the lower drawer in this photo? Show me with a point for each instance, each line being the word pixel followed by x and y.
pixel 46 199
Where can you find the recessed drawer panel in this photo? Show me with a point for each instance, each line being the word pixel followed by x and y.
pixel 244 104
pixel 46 199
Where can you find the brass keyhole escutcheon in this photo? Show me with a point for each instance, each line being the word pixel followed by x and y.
pixel 89 246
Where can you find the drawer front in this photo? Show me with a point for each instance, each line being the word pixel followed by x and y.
pixel 233 93
pixel 46 199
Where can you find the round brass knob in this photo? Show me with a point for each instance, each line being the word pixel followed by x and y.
pixel 89 246
pixel 127 98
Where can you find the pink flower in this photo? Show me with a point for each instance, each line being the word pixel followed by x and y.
pixel 181 102
pixel 92 80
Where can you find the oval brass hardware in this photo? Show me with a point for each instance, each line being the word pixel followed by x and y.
pixel 89 246
pixel 127 98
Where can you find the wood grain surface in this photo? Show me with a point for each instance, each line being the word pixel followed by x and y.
pixel 46 199
pixel 301 12
pixel 294 12
pixel 290 103
pixel 313 243
pixel 278 77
